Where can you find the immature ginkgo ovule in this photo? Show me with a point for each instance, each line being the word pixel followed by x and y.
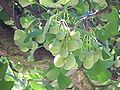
pixel 55 46
pixel 82 57
pixel 96 56
pixel 24 49
pixel 72 45
pixel 70 61
pixel 88 63
pixel 18 67
pixel 80 43
pixel 58 61
pixel 63 53
pixel 40 38
pixel 117 63
pixel 75 66
pixel 34 45
pixel 75 35
pixel 54 29
pixel 60 35
pixel 89 60
pixel 90 55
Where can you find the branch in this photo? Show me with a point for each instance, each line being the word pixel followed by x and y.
pixel 107 9
pixel 94 13
pixel 33 64
pixel 85 18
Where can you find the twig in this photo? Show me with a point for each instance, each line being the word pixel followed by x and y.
pixel 97 13
pixel 94 13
